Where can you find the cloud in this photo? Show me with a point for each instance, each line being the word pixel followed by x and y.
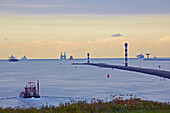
pixel 117 35
pixel 106 47
pixel 5 38
pixel 87 6
pixel 43 48
pixel 44 5
pixel 31 5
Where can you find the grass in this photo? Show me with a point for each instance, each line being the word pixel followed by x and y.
pixel 115 105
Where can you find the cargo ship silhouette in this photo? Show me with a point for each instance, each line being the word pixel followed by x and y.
pixel 12 59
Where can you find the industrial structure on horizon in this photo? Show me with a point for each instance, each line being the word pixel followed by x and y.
pixel 147 54
pixel 63 56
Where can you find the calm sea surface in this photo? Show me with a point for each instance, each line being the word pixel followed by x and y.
pixel 61 83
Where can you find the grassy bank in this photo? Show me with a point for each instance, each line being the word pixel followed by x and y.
pixel 116 104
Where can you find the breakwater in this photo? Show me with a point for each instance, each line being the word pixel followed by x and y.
pixel 156 59
pixel 160 73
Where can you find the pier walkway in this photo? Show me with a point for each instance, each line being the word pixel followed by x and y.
pixel 161 73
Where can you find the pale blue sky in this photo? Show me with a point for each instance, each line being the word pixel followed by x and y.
pixel 111 7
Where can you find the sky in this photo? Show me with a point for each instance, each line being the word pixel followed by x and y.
pixel 45 28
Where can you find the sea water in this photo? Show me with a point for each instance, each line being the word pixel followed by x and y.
pixel 61 82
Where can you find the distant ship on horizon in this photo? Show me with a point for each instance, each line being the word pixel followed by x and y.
pixel 71 58
pixel 24 58
pixel 140 56
pixel 12 59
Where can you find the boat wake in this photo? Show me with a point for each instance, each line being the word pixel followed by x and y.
pixel 35 102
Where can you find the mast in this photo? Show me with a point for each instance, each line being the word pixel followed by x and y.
pixel 38 86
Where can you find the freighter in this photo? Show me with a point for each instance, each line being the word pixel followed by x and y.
pixel 12 59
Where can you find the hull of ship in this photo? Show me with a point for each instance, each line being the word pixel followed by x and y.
pixel 13 60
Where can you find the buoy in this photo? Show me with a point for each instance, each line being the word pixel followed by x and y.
pixel 108 76
pixel 75 66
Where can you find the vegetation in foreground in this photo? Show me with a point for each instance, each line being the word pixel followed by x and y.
pixel 116 104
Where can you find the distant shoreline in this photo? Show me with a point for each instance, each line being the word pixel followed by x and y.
pixel 151 59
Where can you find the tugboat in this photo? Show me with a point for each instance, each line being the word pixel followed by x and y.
pixel 12 59
pixel 71 58
pixel 30 90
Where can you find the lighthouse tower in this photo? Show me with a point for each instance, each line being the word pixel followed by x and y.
pixel 126 55
pixel 88 57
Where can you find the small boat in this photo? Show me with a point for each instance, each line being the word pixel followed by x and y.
pixel 30 90
pixel 71 58
pixel 140 56
pixel 12 59
pixel 24 58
